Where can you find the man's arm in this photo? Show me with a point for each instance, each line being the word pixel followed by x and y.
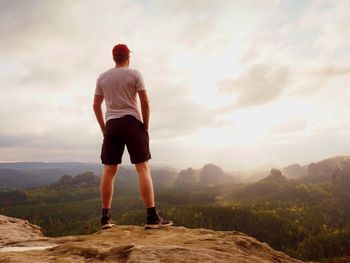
pixel 145 108
pixel 98 99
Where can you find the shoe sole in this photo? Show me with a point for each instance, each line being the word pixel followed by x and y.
pixel 157 226
pixel 106 226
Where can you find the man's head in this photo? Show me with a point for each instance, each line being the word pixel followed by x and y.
pixel 121 54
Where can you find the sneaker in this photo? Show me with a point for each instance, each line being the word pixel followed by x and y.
pixel 158 222
pixel 106 222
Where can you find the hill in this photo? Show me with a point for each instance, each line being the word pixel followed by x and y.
pixel 87 179
pixel 134 244
pixel 208 176
pixel 274 186
pixel 322 171
pixel 295 171
pixel 18 179
pixel 22 175
pixel 30 175
pixel 25 175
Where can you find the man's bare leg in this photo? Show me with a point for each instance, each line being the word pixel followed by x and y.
pixel 106 189
pixel 147 193
pixel 107 185
pixel 145 184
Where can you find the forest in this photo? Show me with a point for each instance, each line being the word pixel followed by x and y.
pixel 309 221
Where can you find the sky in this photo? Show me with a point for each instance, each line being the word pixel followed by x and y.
pixel 240 84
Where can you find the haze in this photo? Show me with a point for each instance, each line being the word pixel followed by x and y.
pixel 237 83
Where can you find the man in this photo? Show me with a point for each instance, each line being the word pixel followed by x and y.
pixel 119 87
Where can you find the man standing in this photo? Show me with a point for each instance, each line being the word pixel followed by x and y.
pixel 119 87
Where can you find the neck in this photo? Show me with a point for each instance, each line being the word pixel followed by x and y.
pixel 122 65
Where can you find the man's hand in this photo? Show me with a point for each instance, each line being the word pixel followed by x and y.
pixel 103 129
pixel 145 108
pixel 98 99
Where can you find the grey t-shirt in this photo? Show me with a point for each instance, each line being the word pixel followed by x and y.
pixel 119 88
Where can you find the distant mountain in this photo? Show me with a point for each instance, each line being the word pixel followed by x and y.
pixel 295 171
pixel 86 179
pixel 20 179
pixel 37 174
pixel 275 176
pixel 273 186
pixel 328 175
pixel 256 176
pixel 163 177
pixel 209 175
pixel 341 174
pixel 187 177
pixel 251 175
pixel 316 172
pixel 275 181
pixel 126 179
pixel 324 170
pixel 62 168
pixel 21 175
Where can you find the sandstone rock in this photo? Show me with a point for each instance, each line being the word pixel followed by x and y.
pixel 209 175
pixel 294 171
pixel 275 173
pixel 134 244
pixel 16 230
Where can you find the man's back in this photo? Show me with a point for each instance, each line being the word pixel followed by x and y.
pixel 119 86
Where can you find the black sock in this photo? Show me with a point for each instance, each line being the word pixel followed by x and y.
pixel 151 212
pixel 106 212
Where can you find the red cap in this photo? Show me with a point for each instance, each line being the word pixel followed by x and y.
pixel 120 49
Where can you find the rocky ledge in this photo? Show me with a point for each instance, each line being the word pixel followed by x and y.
pixel 14 230
pixel 133 244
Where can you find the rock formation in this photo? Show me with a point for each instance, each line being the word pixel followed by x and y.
pixel 133 244
pixel 341 175
pixel 322 171
pixel 275 174
pixel 87 179
pixel 14 230
pixel 294 171
pixel 208 176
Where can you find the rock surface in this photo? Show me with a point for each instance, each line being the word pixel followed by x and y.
pixel 134 244
pixel 16 230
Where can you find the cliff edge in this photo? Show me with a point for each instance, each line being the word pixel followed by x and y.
pixel 133 244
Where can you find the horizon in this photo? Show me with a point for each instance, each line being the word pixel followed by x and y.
pixel 240 84
pixel 253 169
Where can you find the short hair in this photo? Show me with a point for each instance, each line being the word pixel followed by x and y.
pixel 120 58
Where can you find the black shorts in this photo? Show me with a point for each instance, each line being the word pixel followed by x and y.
pixel 123 131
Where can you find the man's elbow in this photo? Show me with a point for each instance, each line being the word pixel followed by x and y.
pixel 145 102
pixel 96 107
pixel 145 105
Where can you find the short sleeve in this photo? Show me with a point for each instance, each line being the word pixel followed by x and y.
pixel 140 85
pixel 98 90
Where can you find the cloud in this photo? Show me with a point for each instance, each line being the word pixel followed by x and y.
pixel 297 125
pixel 260 84
pixel 175 114
pixel 331 18
pixel 332 71
pixel 267 54
pixel 8 140
pixel 310 81
pixel 26 24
